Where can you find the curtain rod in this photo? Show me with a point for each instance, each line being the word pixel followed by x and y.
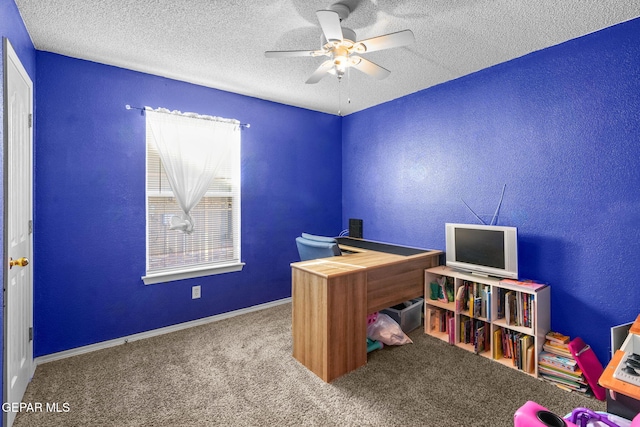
pixel 244 125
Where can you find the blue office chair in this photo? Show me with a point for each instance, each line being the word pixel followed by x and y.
pixel 311 247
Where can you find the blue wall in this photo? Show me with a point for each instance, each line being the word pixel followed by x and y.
pixel 12 28
pixel 561 129
pixel 90 201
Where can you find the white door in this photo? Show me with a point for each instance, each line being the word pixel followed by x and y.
pixel 18 298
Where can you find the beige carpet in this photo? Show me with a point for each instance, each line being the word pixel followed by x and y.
pixel 239 372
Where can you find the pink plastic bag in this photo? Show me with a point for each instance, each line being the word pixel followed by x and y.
pixel 387 331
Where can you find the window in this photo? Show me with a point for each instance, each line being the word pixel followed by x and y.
pixel 213 246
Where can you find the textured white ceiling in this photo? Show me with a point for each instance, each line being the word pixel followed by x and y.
pixel 221 44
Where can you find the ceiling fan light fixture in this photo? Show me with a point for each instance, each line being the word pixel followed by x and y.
pixel 359 48
pixel 341 64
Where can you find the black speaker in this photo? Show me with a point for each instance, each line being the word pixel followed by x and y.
pixel 355 228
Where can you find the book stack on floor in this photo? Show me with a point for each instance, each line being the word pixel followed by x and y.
pixel 558 366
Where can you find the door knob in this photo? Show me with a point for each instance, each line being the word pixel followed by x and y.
pixel 20 262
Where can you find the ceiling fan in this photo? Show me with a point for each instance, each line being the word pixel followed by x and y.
pixel 340 45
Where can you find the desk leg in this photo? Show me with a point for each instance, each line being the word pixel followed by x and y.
pixel 623 405
pixel 329 322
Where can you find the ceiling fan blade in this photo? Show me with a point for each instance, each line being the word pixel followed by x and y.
pixel 288 53
pixel 330 23
pixel 369 67
pixel 401 38
pixel 320 72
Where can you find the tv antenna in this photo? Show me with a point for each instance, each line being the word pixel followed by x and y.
pixel 494 220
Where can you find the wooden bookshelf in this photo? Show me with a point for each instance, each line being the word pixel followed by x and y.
pixel 479 310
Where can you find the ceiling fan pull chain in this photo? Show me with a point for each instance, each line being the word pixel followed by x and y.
pixel 339 98
pixel 348 85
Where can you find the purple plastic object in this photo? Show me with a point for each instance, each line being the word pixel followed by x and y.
pixel 582 416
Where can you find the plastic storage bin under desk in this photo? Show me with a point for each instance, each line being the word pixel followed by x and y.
pixel 409 318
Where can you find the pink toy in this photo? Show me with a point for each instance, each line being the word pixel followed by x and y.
pixel 533 415
pixel 372 318
pixel 589 365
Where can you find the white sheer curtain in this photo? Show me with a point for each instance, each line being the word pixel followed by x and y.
pixel 191 148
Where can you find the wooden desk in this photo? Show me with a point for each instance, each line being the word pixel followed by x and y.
pixel 625 401
pixel 332 297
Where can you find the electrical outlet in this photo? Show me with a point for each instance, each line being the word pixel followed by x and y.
pixel 195 292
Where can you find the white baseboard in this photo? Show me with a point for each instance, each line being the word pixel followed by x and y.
pixel 148 334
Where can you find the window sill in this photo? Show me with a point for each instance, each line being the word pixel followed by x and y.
pixel 170 276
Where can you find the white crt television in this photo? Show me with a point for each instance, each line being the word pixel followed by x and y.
pixel 487 250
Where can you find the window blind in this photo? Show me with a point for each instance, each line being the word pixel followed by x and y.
pixel 216 237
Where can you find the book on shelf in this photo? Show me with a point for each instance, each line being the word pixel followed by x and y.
pixel 433 319
pixel 475 297
pixel 506 348
pixel 465 329
pixel 511 346
pixel 528 303
pixel 500 309
pixel 460 299
pixel 526 342
pixel 510 308
pixel 497 344
pixel 472 300
pixel 519 352
pixel 485 301
pixel 444 315
pixel 517 346
pixel 519 308
pixel 440 320
pixel 477 307
pixel 447 321
pixel 531 284
pixel 478 345
pixel 531 358
pixel 452 329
